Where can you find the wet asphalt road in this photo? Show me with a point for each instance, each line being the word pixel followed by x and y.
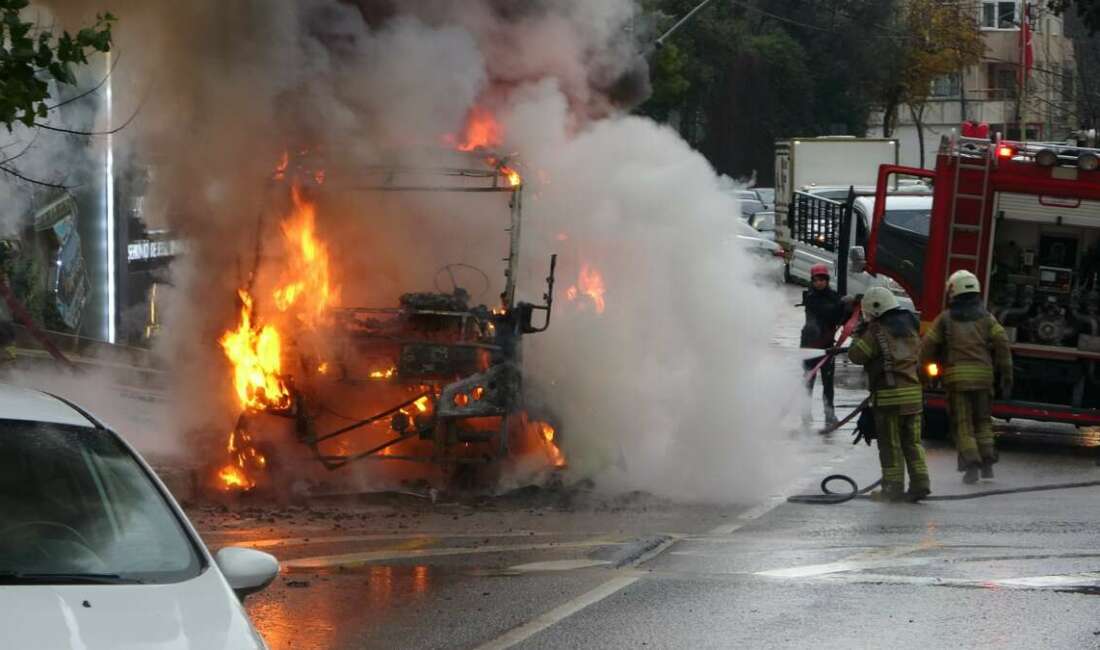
pixel 543 570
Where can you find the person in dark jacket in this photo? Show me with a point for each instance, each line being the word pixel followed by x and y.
pixel 825 313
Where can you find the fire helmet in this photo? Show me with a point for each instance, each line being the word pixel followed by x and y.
pixel 819 269
pixel 877 301
pixel 961 282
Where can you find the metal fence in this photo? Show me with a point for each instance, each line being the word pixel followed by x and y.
pixel 814 220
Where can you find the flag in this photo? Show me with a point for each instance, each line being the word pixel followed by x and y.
pixel 1027 54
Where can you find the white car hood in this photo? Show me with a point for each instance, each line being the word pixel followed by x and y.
pixel 201 613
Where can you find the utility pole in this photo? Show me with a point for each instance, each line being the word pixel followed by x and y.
pixel 660 42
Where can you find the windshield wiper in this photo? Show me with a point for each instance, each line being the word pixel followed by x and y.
pixel 16 578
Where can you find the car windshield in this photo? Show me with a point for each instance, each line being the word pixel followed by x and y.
pixel 766 194
pixel 916 221
pixel 76 505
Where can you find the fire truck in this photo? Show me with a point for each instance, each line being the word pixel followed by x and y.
pixel 1025 218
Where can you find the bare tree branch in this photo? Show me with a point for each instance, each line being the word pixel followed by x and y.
pixel 91 90
pixel 122 126
pixel 12 172
pixel 21 151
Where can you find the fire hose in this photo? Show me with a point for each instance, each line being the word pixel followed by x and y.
pixel 829 497
pixel 24 317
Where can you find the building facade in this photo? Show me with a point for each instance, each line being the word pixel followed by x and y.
pixel 1017 100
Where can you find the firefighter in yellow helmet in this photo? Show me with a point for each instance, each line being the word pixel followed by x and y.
pixel 887 346
pixel 971 347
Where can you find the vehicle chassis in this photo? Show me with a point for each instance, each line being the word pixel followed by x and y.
pixel 477 374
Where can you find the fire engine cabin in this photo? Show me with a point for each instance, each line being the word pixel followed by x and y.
pixel 1025 218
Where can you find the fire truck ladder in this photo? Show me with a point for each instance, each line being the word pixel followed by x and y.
pixel 966 196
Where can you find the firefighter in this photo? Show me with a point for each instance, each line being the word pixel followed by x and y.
pixel 972 348
pixel 887 345
pixel 825 312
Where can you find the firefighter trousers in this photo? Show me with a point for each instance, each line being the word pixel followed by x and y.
pixel 899 448
pixel 971 425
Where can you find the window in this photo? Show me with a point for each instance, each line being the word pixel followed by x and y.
pixel 914 221
pixel 946 86
pixel 1002 81
pixel 999 15
pixel 1068 88
pixel 76 503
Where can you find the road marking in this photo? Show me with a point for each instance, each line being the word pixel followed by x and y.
pixel 1087 579
pixel 815 570
pixel 1038 583
pixel 771 503
pixel 752 513
pixel 338 539
pixel 533 627
pixel 558 565
pixel 366 557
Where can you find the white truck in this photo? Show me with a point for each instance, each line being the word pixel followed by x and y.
pixel 812 181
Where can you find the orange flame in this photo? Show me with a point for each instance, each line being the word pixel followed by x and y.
pixel 256 354
pixel 234 478
pixel 244 456
pixel 514 179
pixel 549 434
pixel 589 284
pixel 280 169
pixel 255 349
pixel 308 265
pixel 482 132
pixel 384 374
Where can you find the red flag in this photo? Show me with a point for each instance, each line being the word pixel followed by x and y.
pixel 1027 54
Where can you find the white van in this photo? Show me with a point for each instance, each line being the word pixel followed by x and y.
pixel 913 212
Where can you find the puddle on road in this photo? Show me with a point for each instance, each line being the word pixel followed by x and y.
pixel 278 612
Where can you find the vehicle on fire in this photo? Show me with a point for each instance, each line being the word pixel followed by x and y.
pixel 443 375
pixel 1025 218
pixel 89 537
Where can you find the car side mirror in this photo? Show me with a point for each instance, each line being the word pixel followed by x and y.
pixel 857 259
pixel 248 571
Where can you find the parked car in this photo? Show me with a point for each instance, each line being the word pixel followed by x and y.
pixel 765 195
pixel 748 201
pixel 769 255
pixel 94 551
pixel 764 223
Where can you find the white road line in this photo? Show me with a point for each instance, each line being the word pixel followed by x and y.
pixel 338 539
pixel 744 518
pixel 531 628
pixel 771 503
pixel 1066 581
pixel 1088 579
pixel 815 570
pixel 558 565
pixel 354 559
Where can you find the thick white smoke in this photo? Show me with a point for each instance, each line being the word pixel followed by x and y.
pixel 673 388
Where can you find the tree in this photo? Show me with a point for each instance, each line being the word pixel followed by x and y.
pixel 942 40
pixel 747 73
pixel 31 56
pixel 1087 10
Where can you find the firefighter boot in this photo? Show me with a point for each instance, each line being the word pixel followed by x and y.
pixel 987 468
pixel 971 475
pixel 915 494
pixel 830 418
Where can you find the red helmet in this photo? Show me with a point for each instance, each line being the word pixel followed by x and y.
pixel 819 269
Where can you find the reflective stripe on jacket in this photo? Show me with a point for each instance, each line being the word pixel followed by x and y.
pixel 968 351
pixel 891 365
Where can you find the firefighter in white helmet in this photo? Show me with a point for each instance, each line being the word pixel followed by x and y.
pixel 887 346
pixel 972 348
